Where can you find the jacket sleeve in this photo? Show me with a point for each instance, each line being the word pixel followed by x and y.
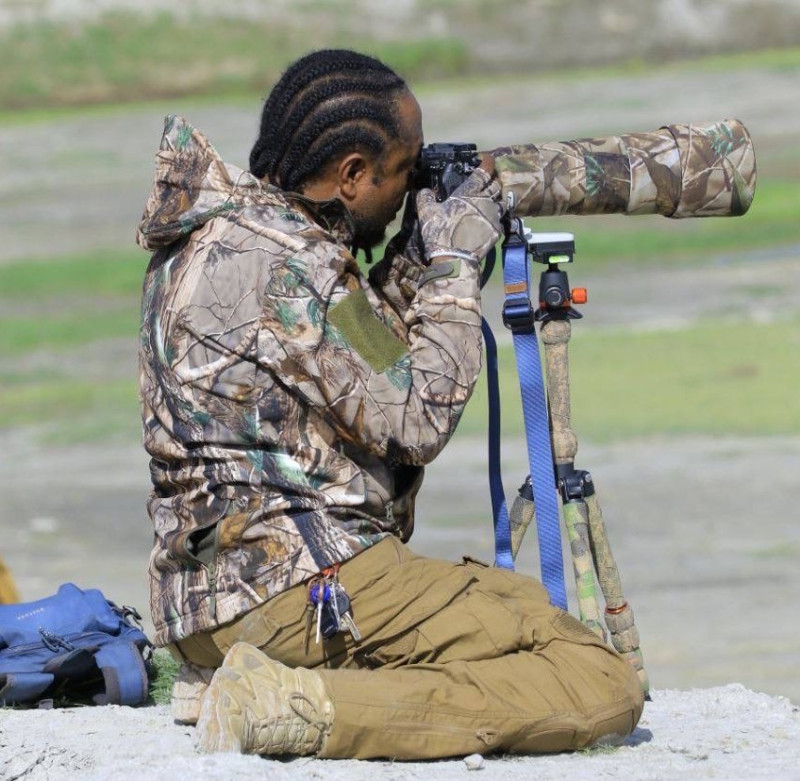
pixel 398 399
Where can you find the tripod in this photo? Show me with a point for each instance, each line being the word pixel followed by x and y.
pixel 593 561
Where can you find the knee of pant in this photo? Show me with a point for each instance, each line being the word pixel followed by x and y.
pixel 624 696
pixel 606 677
pixel 612 726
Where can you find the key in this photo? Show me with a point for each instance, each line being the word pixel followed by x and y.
pixel 347 620
pixel 329 620
pixel 319 618
pixel 319 595
pixel 331 611
pixel 342 602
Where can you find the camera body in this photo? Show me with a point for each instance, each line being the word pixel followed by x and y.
pixel 443 166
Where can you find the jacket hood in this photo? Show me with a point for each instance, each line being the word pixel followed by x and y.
pixel 192 185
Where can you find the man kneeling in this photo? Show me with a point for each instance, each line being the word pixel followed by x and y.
pixel 290 404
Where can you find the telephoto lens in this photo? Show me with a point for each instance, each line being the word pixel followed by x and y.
pixel 704 170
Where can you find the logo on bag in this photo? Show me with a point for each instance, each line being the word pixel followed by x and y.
pixel 23 616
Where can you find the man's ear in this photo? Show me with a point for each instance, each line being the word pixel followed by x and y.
pixel 351 171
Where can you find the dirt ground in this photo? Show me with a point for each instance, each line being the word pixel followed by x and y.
pixel 723 733
pixel 705 530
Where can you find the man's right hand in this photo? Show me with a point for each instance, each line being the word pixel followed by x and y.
pixel 467 223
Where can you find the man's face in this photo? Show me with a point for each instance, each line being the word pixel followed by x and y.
pixel 385 188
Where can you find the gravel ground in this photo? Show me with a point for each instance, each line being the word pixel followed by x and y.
pixel 724 733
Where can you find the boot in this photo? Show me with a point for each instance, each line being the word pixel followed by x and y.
pixel 255 705
pixel 188 687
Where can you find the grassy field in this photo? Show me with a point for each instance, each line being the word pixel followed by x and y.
pixel 123 57
pixel 693 381
pixel 126 57
pixel 708 378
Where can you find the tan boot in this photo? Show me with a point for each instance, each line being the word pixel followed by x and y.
pixel 189 686
pixel 255 705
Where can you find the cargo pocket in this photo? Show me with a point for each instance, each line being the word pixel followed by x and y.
pixel 475 626
pixel 390 608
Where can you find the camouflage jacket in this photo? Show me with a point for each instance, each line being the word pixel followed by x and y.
pixel 289 403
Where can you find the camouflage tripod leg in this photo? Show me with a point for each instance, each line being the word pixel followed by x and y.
pixel 555 337
pixel 591 551
pixel 619 614
pixel 576 518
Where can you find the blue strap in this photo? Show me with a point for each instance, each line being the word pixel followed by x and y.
pixel 124 672
pixel 502 527
pixel 23 687
pixel 518 315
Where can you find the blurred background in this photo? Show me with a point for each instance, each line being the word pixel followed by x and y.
pixel 684 368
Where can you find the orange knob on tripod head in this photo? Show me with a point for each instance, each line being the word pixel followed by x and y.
pixel 579 295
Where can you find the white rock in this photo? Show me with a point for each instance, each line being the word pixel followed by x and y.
pixel 474 762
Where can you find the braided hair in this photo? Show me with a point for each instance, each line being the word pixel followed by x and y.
pixel 326 104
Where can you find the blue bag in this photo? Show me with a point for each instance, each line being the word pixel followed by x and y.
pixel 75 644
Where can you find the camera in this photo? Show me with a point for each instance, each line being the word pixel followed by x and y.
pixel 443 166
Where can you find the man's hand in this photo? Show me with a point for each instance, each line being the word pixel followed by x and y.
pixel 466 224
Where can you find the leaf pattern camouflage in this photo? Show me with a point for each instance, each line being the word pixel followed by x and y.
pixel 281 440
pixel 706 170
pixel 468 221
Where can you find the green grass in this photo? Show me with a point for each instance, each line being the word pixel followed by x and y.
pixel 710 378
pixel 786 59
pixel 58 397
pixel 714 378
pixel 73 328
pixel 67 302
pixel 99 274
pixel 51 309
pixel 124 57
pixel 128 57
pixel 774 60
pixel 166 668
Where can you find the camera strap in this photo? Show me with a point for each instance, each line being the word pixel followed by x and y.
pixel 519 316
pixel 503 555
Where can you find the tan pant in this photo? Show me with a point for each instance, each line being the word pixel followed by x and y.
pixel 455 659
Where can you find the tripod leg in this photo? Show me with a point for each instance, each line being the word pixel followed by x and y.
pixel 523 511
pixel 578 491
pixel 619 614
pixel 555 338
pixel 576 519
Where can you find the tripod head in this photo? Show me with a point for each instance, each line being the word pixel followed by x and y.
pixel 554 250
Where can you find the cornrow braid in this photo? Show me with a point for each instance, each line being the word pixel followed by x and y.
pixel 326 104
